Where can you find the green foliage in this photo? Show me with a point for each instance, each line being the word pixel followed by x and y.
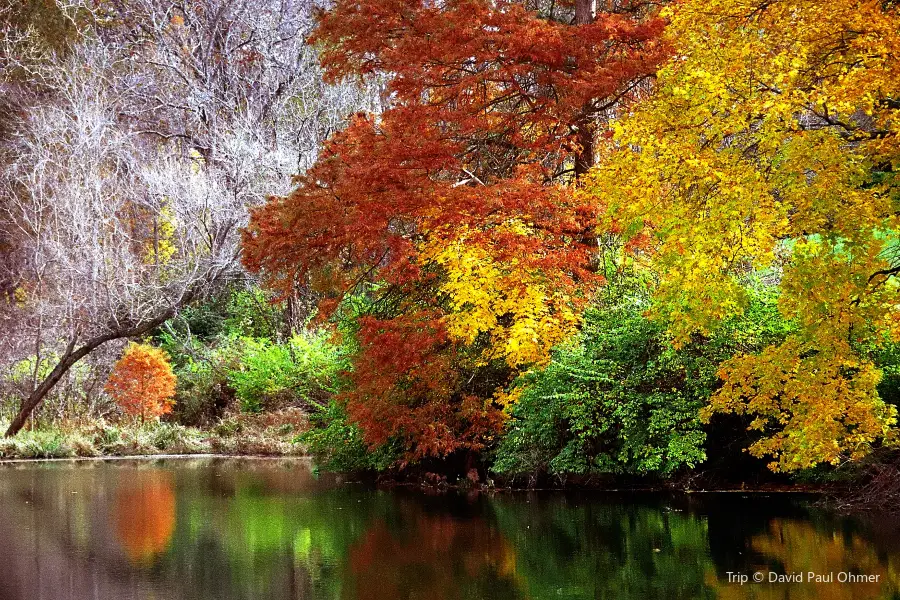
pixel 171 437
pixel 250 313
pixel 202 369
pixel 242 312
pixel 620 399
pixel 36 444
pixel 305 368
pixel 337 445
pixel 232 348
pixel 616 400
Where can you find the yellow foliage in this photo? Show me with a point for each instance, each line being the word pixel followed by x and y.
pixel 161 248
pixel 519 314
pixel 801 547
pixel 820 405
pixel 769 144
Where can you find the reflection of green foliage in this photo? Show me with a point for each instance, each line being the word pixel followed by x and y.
pixel 255 530
pixel 600 550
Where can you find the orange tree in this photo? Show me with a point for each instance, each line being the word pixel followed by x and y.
pixel 451 212
pixel 142 382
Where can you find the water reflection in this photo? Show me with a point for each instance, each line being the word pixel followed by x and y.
pixel 230 529
pixel 145 514
pixel 415 553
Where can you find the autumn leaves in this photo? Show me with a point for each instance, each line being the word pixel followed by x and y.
pixel 142 382
pixel 769 147
pixel 764 148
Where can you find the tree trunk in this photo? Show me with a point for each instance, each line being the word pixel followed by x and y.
pixel 584 14
pixel 72 356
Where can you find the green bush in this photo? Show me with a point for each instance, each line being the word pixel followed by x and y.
pixel 620 399
pixel 36 444
pixel 171 437
pixel 240 312
pixel 305 369
pixel 203 391
pixel 337 445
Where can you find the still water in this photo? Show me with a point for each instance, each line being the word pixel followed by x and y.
pixel 270 529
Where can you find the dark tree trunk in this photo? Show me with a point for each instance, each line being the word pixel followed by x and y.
pixel 584 14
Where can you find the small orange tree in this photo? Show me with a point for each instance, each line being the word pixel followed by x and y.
pixel 142 382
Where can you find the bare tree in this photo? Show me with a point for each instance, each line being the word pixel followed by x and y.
pixel 131 172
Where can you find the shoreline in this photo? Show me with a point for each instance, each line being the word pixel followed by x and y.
pixel 117 457
pixel 800 489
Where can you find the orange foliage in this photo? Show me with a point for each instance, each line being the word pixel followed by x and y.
pixel 145 515
pixel 406 384
pixel 142 382
pixel 489 106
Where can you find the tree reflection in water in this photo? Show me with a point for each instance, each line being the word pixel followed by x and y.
pixel 145 514
pixel 419 554
pixel 249 529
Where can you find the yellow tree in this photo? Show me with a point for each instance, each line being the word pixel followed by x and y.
pixel 771 143
pixel 142 382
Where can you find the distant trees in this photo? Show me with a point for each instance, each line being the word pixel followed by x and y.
pixel 134 158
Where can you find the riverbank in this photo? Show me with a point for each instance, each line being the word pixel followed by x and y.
pixel 294 452
pixel 277 434
pixel 269 434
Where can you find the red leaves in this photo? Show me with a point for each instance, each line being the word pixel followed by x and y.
pixel 405 386
pixel 487 102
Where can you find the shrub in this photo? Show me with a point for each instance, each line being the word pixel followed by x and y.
pixel 620 399
pixel 36 444
pixel 142 382
pixel 171 437
pixel 304 369
pixel 616 400
pixel 203 392
pixel 337 445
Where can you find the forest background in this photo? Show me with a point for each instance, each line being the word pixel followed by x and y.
pixel 529 241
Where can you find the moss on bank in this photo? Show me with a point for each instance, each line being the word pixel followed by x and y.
pixel 273 434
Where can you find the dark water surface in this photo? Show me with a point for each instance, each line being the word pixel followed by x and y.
pixel 268 529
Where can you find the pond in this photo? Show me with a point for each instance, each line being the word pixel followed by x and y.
pixel 271 529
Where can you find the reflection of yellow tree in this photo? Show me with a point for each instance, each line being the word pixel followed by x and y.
pixel 145 515
pixel 798 547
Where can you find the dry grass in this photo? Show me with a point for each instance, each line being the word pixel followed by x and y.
pixel 268 434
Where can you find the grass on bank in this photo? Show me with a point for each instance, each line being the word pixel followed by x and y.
pixel 272 434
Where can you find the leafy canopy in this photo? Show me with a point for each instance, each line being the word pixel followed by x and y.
pixel 451 211
pixel 772 142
